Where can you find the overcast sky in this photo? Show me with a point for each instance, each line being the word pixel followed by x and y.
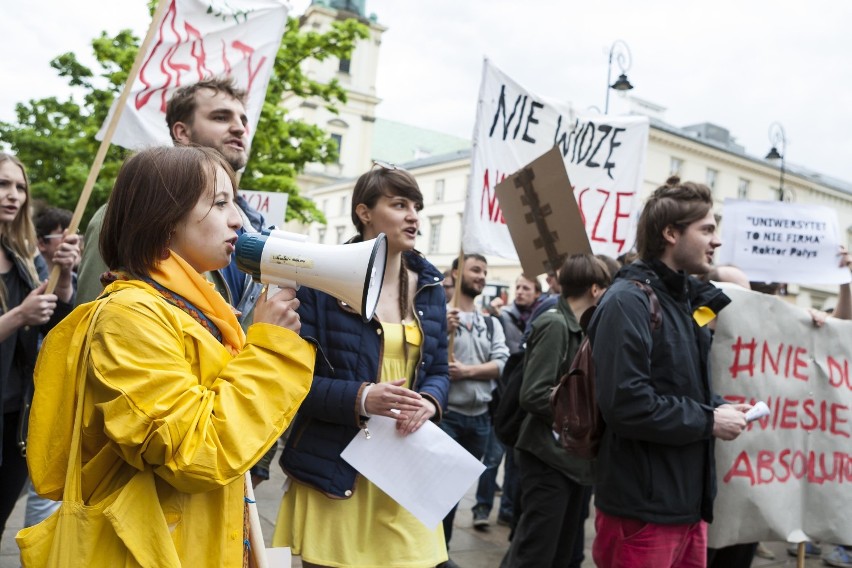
pixel 740 65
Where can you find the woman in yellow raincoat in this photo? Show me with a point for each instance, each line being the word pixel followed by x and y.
pixel 173 386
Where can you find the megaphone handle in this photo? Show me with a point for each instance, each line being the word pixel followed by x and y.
pixel 272 289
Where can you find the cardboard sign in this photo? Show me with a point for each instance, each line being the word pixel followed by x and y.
pixel 774 241
pixel 789 472
pixel 542 216
pixel 604 156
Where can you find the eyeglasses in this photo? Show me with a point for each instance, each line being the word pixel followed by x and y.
pixel 386 165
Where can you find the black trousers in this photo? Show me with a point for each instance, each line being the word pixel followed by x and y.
pixel 734 556
pixel 551 518
pixel 13 469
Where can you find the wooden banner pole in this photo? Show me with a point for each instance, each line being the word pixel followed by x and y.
pixel 455 302
pixel 108 134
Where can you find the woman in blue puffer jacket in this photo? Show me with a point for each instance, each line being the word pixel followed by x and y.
pixel 330 515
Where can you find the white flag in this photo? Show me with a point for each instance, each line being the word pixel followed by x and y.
pixel 604 156
pixel 198 39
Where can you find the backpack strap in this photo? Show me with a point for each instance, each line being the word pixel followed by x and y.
pixel 656 315
pixel 489 327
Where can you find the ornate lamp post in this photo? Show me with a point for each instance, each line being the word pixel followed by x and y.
pixel 621 52
pixel 778 139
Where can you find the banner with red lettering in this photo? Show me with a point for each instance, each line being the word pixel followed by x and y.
pixel 195 40
pixel 604 156
pixel 790 472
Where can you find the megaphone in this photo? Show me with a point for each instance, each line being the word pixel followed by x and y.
pixel 351 273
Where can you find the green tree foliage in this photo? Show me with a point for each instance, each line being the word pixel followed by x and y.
pixel 55 138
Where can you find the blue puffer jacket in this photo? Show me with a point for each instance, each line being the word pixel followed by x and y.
pixel 348 359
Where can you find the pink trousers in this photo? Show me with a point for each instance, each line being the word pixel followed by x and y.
pixel 629 543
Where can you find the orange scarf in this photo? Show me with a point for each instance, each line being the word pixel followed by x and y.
pixel 178 276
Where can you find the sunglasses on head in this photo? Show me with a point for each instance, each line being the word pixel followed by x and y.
pixel 385 165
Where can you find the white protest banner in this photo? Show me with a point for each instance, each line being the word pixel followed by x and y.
pixel 789 471
pixel 604 156
pixel 774 241
pixel 195 40
pixel 272 205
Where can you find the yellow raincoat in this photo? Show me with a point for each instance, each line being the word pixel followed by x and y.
pixel 163 393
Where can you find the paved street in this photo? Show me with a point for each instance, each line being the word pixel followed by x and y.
pixel 470 548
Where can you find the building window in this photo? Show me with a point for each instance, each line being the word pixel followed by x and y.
pixel 321 235
pixel 341 234
pixel 711 178
pixel 344 205
pixel 324 207
pixel 742 189
pixel 675 166
pixel 343 67
pixel 338 140
pixel 439 190
pixel 434 235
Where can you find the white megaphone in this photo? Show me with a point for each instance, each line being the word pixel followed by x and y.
pixel 351 273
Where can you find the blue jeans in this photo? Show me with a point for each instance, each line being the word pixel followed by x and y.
pixel 494 452
pixel 471 432
pixel 38 508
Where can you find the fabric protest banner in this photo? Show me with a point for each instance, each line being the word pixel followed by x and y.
pixel 774 241
pixel 195 40
pixel 604 156
pixel 789 472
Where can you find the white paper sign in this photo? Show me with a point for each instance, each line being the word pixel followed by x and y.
pixel 774 241
pixel 279 557
pixel 604 156
pixel 198 39
pixel 272 205
pixel 426 472
pixel 790 472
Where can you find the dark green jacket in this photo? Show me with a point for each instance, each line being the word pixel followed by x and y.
pixel 554 341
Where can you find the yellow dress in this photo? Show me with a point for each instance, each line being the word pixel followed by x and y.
pixel 368 530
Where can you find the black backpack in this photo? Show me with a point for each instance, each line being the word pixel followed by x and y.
pixel 506 412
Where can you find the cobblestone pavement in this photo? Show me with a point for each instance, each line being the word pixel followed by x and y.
pixel 470 548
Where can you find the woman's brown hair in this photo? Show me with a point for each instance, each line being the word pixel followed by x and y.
pixel 19 234
pixel 383 181
pixel 154 191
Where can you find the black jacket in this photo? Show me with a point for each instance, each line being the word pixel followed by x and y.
pixel 656 457
pixel 28 343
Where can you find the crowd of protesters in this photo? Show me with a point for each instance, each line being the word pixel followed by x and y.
pixel 177 374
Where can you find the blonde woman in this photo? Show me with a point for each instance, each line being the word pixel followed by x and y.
pixel 25 313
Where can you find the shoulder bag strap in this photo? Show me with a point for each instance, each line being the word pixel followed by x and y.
pixel 73 481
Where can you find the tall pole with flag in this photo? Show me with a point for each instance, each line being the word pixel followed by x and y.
pixel 188 41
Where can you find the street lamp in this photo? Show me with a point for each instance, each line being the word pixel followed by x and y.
pixel 622 54
pixel 778 138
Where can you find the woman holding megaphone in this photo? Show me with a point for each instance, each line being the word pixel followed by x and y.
pixel 395 365
pixel 150 402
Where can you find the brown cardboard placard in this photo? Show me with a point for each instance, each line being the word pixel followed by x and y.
pixel 542 215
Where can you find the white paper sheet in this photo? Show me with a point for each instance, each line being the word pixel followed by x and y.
pixel 279 557
pixel 426 472
pixel 759 410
